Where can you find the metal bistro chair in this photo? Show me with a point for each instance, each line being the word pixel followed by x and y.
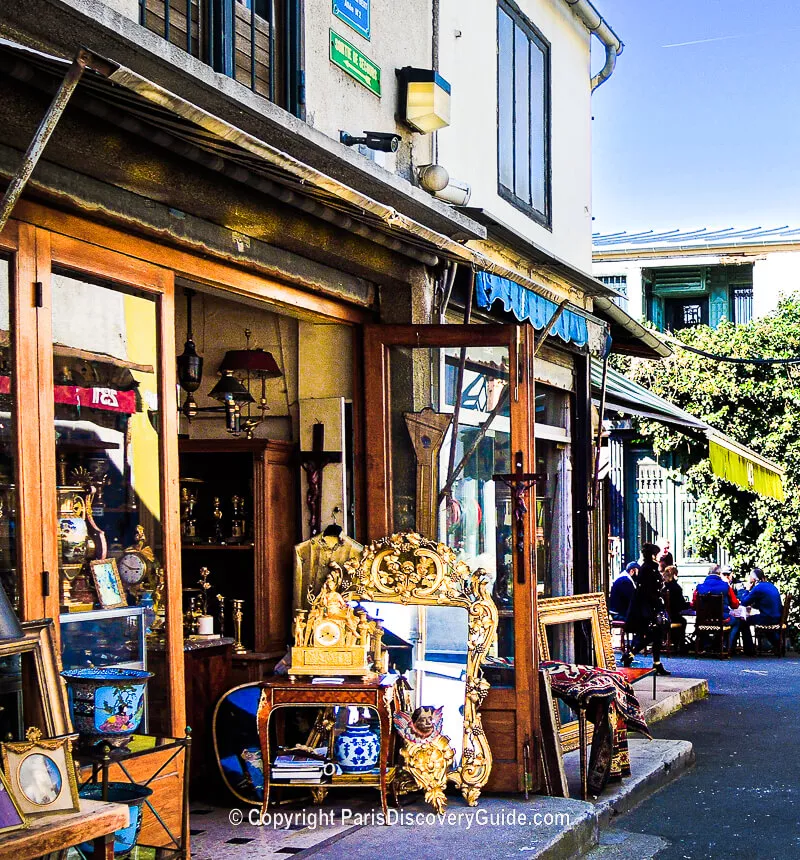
pixel 618 624
pixel 760 629
pixel 710 624
pixel 673 627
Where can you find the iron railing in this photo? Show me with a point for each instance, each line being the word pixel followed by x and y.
pixel 234 37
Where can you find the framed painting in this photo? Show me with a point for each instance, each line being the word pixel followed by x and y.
pixel 11 817
pixel 41 774
pixel 107 583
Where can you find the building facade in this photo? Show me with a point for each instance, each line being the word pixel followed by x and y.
pixel 244 178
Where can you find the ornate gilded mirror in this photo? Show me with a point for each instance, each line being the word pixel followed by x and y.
pixel 574 629
pixel 440 623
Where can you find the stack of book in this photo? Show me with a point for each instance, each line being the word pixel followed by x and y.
pixel 297 767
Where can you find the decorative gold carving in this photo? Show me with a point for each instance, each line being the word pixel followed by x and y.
pixel 335 639
pixel 427 753
pixel 412 569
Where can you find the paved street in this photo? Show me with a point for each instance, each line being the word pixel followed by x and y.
pixel 743 797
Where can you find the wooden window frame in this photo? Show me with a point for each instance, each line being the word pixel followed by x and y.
pixel 523 699
pixel 35 252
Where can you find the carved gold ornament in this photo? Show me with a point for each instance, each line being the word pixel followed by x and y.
pixel 412 569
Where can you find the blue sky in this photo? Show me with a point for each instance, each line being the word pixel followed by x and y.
pixel 702 134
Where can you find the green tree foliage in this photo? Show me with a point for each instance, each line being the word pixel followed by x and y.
pixel 757 405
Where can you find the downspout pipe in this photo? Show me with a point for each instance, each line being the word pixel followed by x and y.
pixel 598 26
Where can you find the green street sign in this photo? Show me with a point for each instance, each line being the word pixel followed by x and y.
pixel 348 58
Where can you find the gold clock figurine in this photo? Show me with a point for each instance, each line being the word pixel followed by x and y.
pixel 335 639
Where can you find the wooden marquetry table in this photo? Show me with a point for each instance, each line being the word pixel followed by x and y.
pixel 95 822
pixel 280 692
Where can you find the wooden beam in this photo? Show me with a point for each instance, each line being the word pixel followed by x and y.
pixel 191 266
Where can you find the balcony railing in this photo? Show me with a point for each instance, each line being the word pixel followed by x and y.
pixel 235 37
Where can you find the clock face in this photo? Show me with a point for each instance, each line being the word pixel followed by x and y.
pixel 132 568
pixel 327 634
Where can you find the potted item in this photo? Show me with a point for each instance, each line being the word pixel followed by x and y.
pixel 106 704
pixel 357 749
pixel 134 797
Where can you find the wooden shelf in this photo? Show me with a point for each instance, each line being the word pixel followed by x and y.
pixel 215 547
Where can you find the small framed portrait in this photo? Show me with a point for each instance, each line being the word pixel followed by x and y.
pixel 41 774
pixel 11 817
pixel 110 591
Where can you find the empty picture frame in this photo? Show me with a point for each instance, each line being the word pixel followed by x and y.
pixel 38 646
pixel 581 617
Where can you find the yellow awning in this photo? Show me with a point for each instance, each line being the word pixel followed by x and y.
pixel 741 466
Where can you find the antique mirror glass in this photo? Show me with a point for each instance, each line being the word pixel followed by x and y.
pixel 443 481
pixel 440 623
pixel 574 629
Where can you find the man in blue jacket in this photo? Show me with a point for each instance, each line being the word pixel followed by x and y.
pixel 619 600
pixel 766 598
pixel 717 583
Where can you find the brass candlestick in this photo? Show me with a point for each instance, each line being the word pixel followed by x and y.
pixel 238 648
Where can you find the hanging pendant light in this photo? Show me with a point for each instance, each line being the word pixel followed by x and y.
pixel 189 364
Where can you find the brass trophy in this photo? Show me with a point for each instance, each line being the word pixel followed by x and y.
pixel 238 522
pixel 238 647
pixel 335 639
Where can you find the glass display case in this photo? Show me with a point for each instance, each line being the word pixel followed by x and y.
pixel 103 638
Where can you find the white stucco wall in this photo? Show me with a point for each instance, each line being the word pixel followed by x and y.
pixel 468 148
pixel 774 275
pixel 401 35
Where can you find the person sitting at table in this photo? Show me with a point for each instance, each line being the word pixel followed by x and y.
pixel 716 582
pixel 619 599
pixel 676 603
pixel 646 613
pixel 766 598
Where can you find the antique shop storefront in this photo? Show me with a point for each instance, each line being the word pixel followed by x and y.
pixel 313 415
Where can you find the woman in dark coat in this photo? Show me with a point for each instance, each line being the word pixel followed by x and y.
pixel 647 606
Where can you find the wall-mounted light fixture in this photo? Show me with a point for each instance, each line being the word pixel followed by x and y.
pixel 424 99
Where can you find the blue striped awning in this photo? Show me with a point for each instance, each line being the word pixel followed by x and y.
pixel 527 306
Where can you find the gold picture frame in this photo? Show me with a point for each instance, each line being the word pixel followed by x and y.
pixel 11 816
pixel 41 774
pixel 566 610
pixel 108 584
pixel 410 569
pixel 38 645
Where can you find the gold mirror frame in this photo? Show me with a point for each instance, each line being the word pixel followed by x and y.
pixel 409 569
pixel 565 610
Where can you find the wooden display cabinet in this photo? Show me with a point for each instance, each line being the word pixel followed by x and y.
pixel 255 568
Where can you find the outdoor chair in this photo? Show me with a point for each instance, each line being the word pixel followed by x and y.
pixel 711 627
pixel 672 629
pixel 618 624
pixel 760 629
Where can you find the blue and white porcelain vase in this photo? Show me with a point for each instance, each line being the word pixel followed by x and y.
pixel 357 749
pixel 106 704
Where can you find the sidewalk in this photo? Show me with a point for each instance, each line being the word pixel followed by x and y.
pixel 503 826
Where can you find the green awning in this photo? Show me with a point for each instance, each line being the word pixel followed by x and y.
pixel 730 460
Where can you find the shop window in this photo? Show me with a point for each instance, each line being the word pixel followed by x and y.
pixel 443 484
pixel 10 687
pixel 554 494
pixel 105 374
pixel 523 114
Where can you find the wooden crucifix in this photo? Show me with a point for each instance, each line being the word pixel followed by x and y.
pixel 313 463
pixel 519 483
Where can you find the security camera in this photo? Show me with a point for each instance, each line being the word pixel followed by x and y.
pixel 383 141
